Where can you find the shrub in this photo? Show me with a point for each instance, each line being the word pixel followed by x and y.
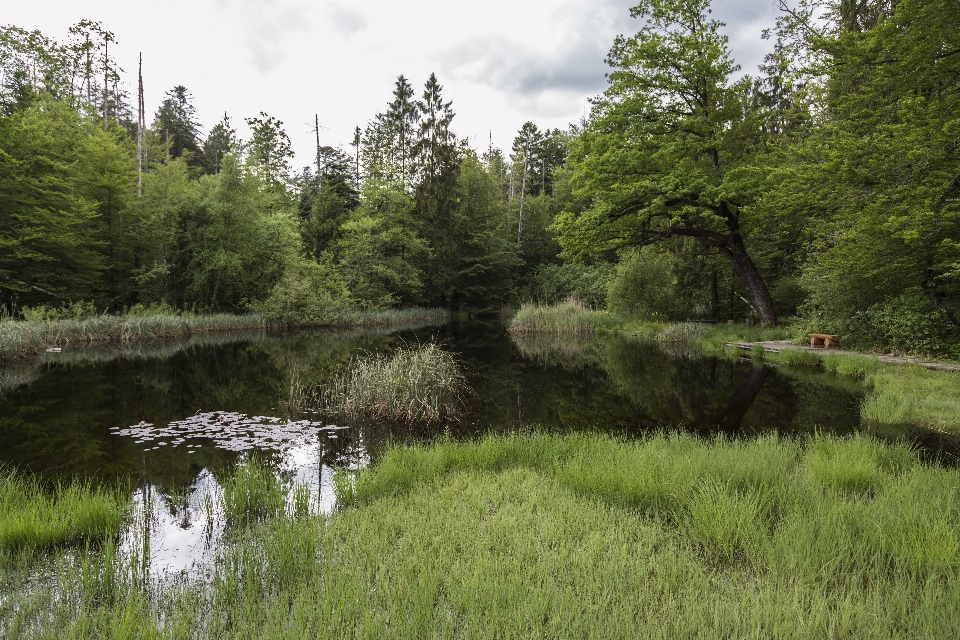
pixel 309 293
pixel 643 285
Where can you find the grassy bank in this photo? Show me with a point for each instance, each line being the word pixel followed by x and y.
pixel 577 536
pixel 20 339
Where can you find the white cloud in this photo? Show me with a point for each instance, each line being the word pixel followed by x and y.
pixel 267 24
pixel 346 21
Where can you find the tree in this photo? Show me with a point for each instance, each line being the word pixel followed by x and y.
pixel 50 248
pixel 176 125
pixel 438 163
pixel 269 150
pixel 220 141
pixel 671 148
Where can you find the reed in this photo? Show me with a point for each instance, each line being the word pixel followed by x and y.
pixel 27 338
pixel 32 517
pixel 252 492
pixel 415 384
pixel 568 317
pixel 22 338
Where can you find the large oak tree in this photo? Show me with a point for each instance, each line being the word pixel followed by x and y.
pixel 672 148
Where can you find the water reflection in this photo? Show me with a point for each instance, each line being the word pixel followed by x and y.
pixel 103 414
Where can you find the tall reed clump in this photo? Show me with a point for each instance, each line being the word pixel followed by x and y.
pixel 681 332
pixel 405 318
pixel 415 384
pixel 253 492
pixel 32 517
pixel 568 317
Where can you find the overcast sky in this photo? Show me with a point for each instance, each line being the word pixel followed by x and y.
pixel 501 63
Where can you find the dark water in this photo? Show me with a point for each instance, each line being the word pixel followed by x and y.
pixel 60 416
pixel 59 424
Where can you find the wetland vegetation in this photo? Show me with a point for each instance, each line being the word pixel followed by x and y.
pixel 214 421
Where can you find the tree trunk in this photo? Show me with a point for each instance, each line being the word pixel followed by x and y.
pixel 749 275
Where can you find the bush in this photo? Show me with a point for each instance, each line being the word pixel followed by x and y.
pixel 309 293
pixel 643 285
pixel 908 323
pixel 553 283
pixel 70 311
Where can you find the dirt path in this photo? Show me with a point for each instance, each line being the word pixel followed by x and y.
pixel 780 345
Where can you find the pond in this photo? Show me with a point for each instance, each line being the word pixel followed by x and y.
pixel 167 421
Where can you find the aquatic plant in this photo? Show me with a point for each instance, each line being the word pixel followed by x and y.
pixel 681 332
pixel 415 384
pixel 570 316
pixel 252 492
pixel 34 517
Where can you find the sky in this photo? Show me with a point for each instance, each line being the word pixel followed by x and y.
pixel 500 63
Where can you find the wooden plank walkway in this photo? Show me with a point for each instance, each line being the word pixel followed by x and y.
pixel 776 346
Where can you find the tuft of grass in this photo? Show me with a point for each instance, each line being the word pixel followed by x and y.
pixel 681 332
pixel 32 517
pixel 852 366
pixel 913 395
pixel 421 384
pixel 797 358
pixel 568 317
pixel 253 492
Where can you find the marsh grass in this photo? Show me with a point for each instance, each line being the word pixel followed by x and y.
pixel 913 395
pixel 34 517
pixel 579 536
pixel 568 317
pixel 415 384
pixel 681 332
pixel 27 338
pixel 22 338
pixel 252 492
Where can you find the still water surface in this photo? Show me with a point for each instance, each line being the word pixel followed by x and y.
pixel 169 421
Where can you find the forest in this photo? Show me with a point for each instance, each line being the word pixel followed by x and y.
pixel 821 190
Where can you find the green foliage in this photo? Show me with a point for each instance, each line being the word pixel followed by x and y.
pixel 643 285
pixel 307 294
pixel 553 283
pixel 379 254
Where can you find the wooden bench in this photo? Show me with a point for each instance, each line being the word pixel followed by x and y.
pixel 825 340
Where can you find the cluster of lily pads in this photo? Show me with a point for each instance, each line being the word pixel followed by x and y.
pixel 231 431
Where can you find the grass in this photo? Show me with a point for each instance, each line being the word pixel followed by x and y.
pixel 20 339
pixel 574 536
pixel 252 493
pixel 32 517
pixel 416 384
pixel 913 395
pixel 568 317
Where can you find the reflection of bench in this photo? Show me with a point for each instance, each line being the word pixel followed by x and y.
pixel 824 340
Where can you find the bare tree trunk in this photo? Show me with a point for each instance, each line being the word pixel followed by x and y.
pixel 523 191
pixel 140 129
pixel 106 82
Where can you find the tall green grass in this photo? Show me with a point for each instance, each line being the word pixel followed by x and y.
pixel 568 317
pixel 414 384
pixel 581 536
pixel 21 338
pixel 914 395
pixel 33 517
pixel 26 338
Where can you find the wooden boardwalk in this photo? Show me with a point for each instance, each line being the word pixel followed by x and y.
pixel 777 346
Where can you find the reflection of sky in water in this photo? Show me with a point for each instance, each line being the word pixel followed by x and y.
pixel 185 530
